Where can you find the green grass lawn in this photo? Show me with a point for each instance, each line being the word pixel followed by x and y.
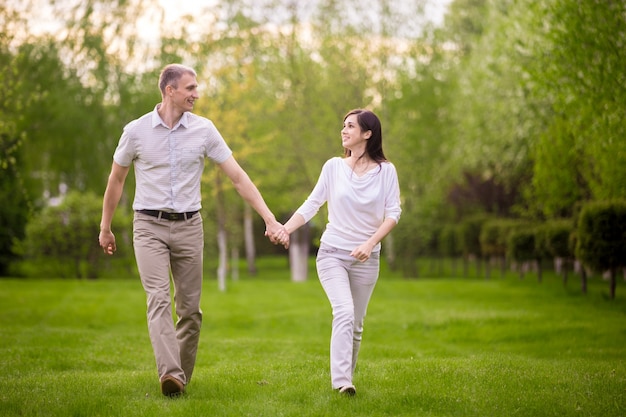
pixel 432 347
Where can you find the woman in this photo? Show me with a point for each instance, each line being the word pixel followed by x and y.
pixel 363 206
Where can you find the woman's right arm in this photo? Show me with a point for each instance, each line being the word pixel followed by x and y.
pixel 312 204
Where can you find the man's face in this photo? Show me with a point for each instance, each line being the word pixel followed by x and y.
pixel 184 96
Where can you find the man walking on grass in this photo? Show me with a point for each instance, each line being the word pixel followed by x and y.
pixel 168 147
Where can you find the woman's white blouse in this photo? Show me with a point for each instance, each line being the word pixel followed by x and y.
pixel 357 206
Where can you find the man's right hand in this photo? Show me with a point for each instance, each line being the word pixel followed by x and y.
pixel 107 242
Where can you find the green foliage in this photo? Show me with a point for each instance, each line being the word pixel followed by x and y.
pixel 13 216
pixel 557 183
pixel 579 71
pixel 521 245
pixel 494 236
pixel 449 244
pixel 65 237
pixel 601 235
pixel 469 234
pixel 67 127
pixel 525 96
pixel 555 237
pixel 408 245
pixel 493 120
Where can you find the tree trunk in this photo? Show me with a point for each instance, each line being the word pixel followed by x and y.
pixel 580 268
pixel 465 266
pixel 539 270
pixel 564 266
pixel 299 254
pixel 248 235
pixel 234 263
pixel 390 253
pixel 221 235
pixel 613 282
pixel 488 268
pixel 223 258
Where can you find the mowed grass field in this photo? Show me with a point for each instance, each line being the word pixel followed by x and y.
pixel 431 347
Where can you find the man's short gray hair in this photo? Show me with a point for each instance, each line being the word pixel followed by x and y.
pixel 172 73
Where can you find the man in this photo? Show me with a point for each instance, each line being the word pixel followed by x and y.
pixel 168 147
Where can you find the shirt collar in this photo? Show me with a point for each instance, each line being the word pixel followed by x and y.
pixel 156 119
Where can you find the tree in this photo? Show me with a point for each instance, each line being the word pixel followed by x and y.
pixel 522 248
pixel 556 236
pixel 579 70
pixel 13 101
pixel 469 236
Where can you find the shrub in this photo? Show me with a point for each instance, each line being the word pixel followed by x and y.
pixel 469 235
pixel 557 235
pixel 554 240
pixel 601 237
pixel 494 234
pixel 448 241
pixel 521 245
pixel 62 240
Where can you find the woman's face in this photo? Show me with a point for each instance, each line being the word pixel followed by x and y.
pixel 352 137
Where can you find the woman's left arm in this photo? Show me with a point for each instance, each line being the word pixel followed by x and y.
pixel 364 250
pixel 392 215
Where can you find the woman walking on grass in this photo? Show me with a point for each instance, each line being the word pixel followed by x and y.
pixel 363 198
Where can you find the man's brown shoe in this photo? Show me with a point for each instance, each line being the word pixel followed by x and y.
pixel 171 387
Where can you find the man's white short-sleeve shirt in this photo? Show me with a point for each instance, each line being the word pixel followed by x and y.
pixel 169 162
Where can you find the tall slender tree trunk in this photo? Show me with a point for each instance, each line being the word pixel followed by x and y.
pixel 465 266
pixel 613 275
pixel 539 270
pixel 234 263
pixel 222 259
pixel 248 236
pixel 580 268
pixel 222 244
pixel 453 265
pixel 390 253
pixel 299 254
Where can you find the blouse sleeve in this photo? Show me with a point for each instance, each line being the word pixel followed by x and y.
pixel 318 196
pixel 392 200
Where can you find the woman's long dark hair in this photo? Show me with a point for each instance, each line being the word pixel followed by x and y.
pixel 367 120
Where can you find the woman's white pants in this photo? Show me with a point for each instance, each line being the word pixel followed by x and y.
pixel 348 284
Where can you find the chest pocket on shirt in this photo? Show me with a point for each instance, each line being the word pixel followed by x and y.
pixel 191 159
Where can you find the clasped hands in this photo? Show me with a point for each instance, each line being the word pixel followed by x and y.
pixel 278 235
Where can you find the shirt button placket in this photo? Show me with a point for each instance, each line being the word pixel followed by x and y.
pixel 173 167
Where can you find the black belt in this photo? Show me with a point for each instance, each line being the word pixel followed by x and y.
pixel 167 215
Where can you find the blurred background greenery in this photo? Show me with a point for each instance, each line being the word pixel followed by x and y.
pixel 502 111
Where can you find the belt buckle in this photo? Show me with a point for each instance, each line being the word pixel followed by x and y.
pixel 174 216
